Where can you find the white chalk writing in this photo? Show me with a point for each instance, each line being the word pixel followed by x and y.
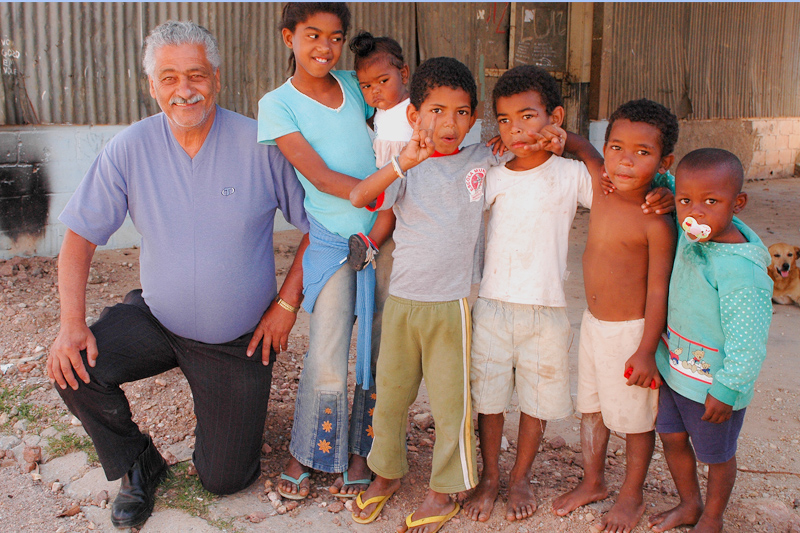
pixel 9 54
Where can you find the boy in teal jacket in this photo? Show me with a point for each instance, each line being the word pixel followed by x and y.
pixel 718 319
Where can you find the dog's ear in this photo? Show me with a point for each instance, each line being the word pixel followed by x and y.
pixel 796 251
pixel 772 271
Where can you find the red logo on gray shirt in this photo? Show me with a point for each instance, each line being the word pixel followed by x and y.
pixel 475 179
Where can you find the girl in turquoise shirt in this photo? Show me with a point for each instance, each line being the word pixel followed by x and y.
pixel 318 120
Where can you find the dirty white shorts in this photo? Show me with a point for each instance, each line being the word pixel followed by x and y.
pixel 522 345
pixel 603 351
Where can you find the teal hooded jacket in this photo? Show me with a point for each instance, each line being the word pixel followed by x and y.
pixel 719 312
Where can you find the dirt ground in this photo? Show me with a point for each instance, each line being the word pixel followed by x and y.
pixel 765 499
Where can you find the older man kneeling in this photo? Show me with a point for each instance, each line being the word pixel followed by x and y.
pixel 203 195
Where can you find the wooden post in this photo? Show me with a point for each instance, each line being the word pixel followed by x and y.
pixel 601 61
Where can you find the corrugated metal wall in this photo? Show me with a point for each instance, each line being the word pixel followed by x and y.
pixel 397 20
pixel 475 33
pixel 450 29
pixel 74 62
pixel 707 60
pixel 80 63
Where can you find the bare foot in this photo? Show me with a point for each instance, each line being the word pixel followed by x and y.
pixel 707 525
pixel 380 486
pixel 463 496
pixel 357 470
pixel 684 514
pixel 521 500
pixel 480 503
pixel 434 504
pixel 580 495
pixel 623 516
pixel 295 469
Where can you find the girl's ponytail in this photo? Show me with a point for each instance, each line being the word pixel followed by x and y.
pixel 364 46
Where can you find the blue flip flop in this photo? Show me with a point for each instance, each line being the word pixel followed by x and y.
pixel 354 482
pixel 297 481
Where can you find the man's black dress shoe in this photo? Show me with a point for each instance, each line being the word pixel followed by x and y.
pixel 137 490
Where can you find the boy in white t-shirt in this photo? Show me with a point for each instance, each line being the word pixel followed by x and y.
pixel 521 330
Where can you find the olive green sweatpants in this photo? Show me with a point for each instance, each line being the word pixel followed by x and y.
pixel 430 340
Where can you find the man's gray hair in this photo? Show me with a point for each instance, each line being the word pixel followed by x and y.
pixel 175 33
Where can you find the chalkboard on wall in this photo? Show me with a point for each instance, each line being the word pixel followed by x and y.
pixel 540 36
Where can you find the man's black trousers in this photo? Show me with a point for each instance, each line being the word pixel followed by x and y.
pixel 230 392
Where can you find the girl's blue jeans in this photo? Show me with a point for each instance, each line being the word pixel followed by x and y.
pixel 325 431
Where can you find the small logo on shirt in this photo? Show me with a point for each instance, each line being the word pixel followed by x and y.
pixel 227 191
pixel 475 179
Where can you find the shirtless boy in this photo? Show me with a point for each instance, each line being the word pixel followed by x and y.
pixel 627 265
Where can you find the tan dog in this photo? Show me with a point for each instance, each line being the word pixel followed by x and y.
pixel 784 273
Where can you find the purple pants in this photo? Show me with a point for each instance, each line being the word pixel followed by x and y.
pixel 713 443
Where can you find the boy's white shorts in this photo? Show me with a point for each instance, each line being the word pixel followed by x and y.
pixel 522 345
pixel 604 349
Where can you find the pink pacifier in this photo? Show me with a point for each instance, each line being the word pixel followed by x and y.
pixel 694 231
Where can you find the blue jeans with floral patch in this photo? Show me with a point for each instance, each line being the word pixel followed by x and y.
pixel 322 434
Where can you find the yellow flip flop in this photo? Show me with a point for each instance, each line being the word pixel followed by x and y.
pixel 441 519
pixel 380 500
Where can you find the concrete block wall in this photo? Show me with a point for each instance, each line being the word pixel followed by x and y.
pixel 768 148
pixel 777 147
pixel 40 168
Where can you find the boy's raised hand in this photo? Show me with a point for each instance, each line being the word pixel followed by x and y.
pixel 553 138
pixel 550 138
pixel 420 147
pixel 717 412
pixel 641 370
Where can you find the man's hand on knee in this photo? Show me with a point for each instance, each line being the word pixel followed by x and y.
pixel 273 329
pixel 65 354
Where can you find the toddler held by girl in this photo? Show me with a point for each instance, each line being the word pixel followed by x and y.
pixel 382 75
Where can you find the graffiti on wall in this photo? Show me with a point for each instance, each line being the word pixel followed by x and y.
pixel 24 193
pixel 17 106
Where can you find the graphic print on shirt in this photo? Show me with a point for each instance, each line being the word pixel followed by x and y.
pixel 475 179
pixel 693 366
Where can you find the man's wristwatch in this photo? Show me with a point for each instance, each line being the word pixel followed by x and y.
pixel 286 305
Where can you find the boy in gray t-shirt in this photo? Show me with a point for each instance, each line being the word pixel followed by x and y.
pixel 426 321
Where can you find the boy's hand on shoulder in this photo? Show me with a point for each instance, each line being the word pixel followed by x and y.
pixel 498 146
pixel 606 184
pixel 420 147
pixel 641 370
pixel 717 412
pixel 552 138
pixel 659 201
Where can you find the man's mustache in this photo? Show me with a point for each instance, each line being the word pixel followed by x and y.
pixel 192 100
